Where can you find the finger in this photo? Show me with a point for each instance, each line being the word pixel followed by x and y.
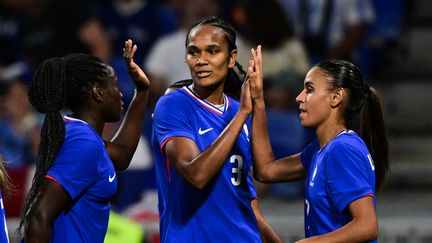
pixel 134 48
pixel 250 69
pixel 259 56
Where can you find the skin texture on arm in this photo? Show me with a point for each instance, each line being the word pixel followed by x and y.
pixel 199 168
pixel 122 147
pixel 268 235
pixel 363 227
pixel 266 168
pixel 52 199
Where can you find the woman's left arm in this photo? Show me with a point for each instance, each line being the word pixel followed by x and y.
pixel 123 145
pixel 363 227
pixel 268 235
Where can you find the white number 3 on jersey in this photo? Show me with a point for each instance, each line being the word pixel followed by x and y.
pixel 237 169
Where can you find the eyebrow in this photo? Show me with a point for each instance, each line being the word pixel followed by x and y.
pixel 308 83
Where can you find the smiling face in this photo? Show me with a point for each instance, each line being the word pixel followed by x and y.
pixel 208 56
pixel 315 100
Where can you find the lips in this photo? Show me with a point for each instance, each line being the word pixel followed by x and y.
pixel 203 74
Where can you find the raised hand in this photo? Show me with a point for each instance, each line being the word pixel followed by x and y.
pixel 135 72
pixel 245 98
pixel 255 75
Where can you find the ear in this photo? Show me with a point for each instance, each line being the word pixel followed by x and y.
pixel 97 93
pixel 337 98
pixel 233 58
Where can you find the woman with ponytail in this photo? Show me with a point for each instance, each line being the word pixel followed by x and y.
pixel 76 170
pixel 201 146
pixel 348 162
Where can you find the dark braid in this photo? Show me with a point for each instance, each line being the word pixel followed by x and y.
pixel 235 78
pixel 56 83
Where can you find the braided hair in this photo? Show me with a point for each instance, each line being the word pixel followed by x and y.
pixel 363 112
pixel 236 75
pixel 58 83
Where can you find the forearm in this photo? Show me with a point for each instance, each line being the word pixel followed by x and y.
pixel 354 231
pixel 128 135
pixel 261 148
pixel 204 166
pixel 37 230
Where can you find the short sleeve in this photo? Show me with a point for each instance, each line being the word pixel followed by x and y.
pixel 76 166
pixel 251 186
pixel 171 119
pixel 348 174
pixel 308 153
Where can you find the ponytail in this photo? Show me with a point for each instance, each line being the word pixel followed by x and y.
pixel 47 94
pixel 373 132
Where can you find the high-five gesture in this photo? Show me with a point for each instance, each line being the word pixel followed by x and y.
pixel 135 72
pixel 255 74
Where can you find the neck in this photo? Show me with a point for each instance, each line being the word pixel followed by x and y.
pixel 326 133
pixel 91 120
pixel 213 95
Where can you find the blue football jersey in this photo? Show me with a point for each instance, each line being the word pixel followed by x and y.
pixel 3 226
pixel 221 212
pixel 82 167
pixel 338 174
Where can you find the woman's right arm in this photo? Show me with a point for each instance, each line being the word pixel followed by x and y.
pixel 266 168
pixel 198 168
pixel 51 200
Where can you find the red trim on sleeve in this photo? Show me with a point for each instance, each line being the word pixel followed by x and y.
pixel 52 178
pixel 369 195
pixel 165 142
pixel 169 170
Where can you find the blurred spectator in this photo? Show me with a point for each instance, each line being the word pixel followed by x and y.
pixel 166 60
pixel 143 21
pixel 19 127
pixel 330 28
pixel 11 58
pixel 265 23
pixel 382 43
pixel 53 28
pixel 19 137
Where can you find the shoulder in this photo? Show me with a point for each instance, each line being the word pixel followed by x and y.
pixel 348 141
pixel 78 131
pixel 172 104
pixel 177 98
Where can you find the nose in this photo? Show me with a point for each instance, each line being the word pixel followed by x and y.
pixel 299 97
pixel 202 59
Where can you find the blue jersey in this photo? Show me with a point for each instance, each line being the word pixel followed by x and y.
pixel 221 212
pixel 338 174
pixel 4 238
pixel 82 167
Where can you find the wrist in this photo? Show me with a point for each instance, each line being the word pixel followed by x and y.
pixel 258 104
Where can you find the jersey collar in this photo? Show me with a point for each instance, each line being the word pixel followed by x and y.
pixel 207 104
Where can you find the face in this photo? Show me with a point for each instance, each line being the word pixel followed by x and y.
pixel 113 98
pixel 315 99
pixel 208 57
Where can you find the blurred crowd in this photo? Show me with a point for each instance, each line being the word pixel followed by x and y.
pixel 295 34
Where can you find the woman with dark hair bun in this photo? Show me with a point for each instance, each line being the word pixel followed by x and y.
pixel 348 162
pixel 76 170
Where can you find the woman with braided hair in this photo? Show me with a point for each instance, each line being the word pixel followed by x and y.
pixel 348 162
pixel 76 170
pixel 201 146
